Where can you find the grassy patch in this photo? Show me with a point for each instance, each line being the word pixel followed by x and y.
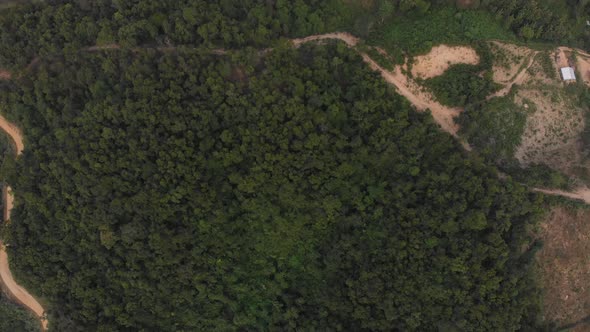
pixel 563 265
pixel 540 176
pixel 382 60
pixel 547 64
pixel 417 34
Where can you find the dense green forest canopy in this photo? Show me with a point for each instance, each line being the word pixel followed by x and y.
pixel 184 191
pixel 14 318
pixel 290 190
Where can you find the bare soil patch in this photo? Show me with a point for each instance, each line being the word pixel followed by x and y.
pixel 583 67
pixel 440 58
pixel 552 130
pixel 564 265
pixel 5 75
pixel 581 193
pixel 563 57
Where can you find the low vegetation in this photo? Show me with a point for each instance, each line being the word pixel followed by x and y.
pixel 464 84
pixel 494 128
pixel 417 33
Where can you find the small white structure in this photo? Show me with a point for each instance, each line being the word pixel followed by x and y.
pixel 568 74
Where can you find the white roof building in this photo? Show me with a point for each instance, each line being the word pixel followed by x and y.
pixel 568 74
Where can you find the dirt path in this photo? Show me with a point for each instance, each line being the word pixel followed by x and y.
pixel 6 279
pixel 582 193
pixel 520 77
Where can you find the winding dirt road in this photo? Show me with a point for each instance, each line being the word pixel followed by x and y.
pixel 17 292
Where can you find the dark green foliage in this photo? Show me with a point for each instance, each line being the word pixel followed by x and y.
pixel 461 85
pixel 178 191
pixel 464 84
pixel 531 19
pixel 16 319
pixel 41 28
pixel 494 127
pixel 382 60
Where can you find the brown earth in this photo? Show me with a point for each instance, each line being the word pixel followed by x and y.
pixel 440 58
pixel 552 130
pixel 564 266
pixel 555 121
pixel 6 279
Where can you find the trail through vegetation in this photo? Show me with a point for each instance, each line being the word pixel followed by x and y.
pixel 422 101
pixel 520 77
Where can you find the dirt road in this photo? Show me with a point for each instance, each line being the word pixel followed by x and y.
pixel 520 77
pixel 17 292
pixel 421 100
pixel 582 193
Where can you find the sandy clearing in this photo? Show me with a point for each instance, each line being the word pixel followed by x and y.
pixel 551 131
pixel 440 58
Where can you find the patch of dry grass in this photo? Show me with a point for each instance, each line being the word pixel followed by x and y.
pixel 564 266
